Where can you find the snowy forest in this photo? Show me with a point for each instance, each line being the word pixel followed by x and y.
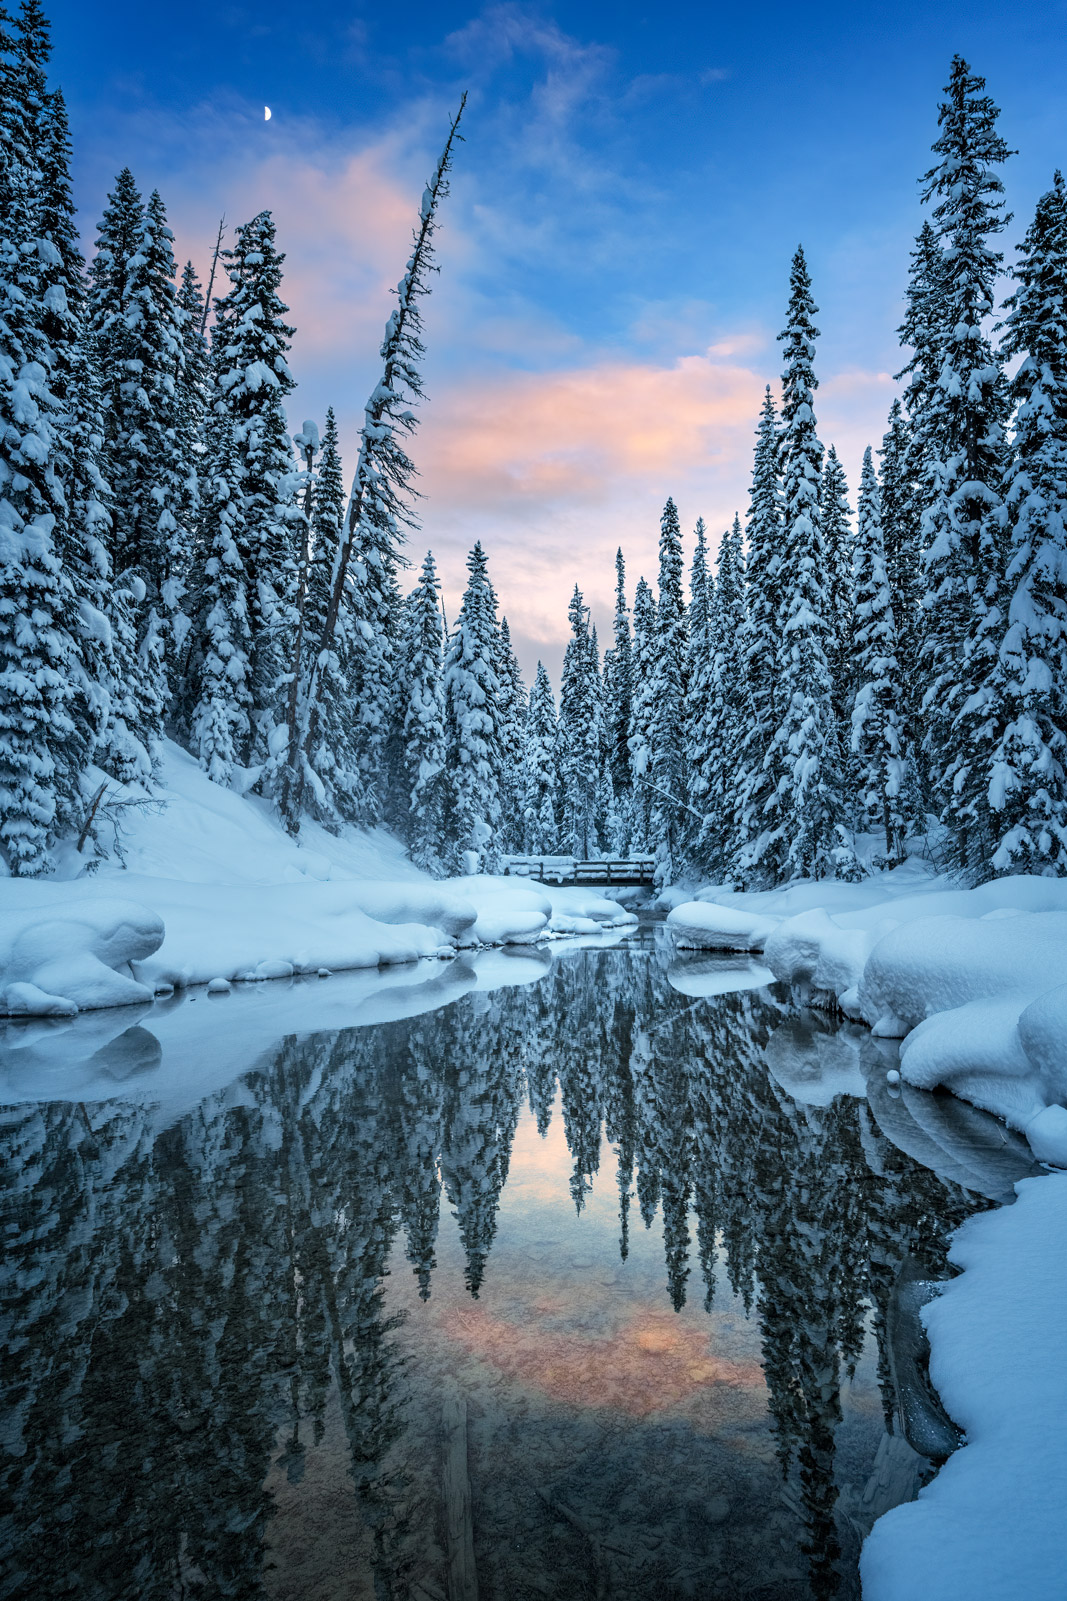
pixel 175 564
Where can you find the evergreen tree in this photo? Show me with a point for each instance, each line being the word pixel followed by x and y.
pixel 900 529
pixel 643 661
pixel 578 735
pixel 620 702
pixel 962 528
pixel 222 717
pixel 150 462
pixel 805 833
pixel 878 741
pixel 423 705
pixel 81 533
pixel 836 516
pixel 703 632
pixel 512 742
pixel 540 814
pixel 379 511
pixel 194 387
pixel 725 710
pixel 758 644
pixel 1027 794
pixel 37 656
pixel 333 787
pixel 251 379
pixel 472 728
pixel 667 765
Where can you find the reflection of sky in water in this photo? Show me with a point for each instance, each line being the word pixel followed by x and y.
pixel 231 1305
pixel 562 1314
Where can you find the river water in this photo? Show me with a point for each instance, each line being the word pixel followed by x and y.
pixel 571 1288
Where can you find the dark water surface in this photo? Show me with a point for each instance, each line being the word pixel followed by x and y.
pixel 574 1289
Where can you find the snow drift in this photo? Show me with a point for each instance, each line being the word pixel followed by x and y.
pixel 973 981
pixel 213 891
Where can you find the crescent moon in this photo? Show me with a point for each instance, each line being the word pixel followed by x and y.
pixel 266 113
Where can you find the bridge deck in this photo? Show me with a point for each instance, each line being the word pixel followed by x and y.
pixel 631 871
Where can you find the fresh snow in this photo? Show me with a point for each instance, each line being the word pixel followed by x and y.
pixel 213 891
pixel 973 981
pixel 991 1525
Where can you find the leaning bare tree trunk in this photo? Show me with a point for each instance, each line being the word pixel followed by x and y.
pixel 374 473
pixel 211 279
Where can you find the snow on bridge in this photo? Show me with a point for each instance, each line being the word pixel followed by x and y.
pixel 620 871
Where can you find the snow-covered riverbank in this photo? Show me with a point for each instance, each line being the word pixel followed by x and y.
pixel 972 981
pixel 974 985
pixel 214 890
pixel 991 1525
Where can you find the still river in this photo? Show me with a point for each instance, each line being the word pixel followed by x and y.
pixel 581 1286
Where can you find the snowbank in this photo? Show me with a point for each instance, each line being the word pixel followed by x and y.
pixel 701 926
pixel 991 1525
pixel 60 959
pixel 210 889
pixel 973 981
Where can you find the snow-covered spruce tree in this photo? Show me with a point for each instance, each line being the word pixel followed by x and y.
pixel 512 743
pixel 251 379
pixel 963 515
pixel 37 653
pixel 578 744
pixel 806 817
pixel 667 777
pixel 540 811
pixel 472 729
pixel 150 461
pixel 81 531
pixel 193 398
pixel 423 723
pixel 607 821
pixel 333 788
pixel 619 710
pixel 700 646
pixel 221 731
pixel 1027 793
pixel 643 660
pixel 379 511
pixel 837 542
pixel 727 710
pixel 877 735
pixel 758 644
pixel 900 528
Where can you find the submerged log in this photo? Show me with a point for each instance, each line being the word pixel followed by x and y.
pixel 459 1520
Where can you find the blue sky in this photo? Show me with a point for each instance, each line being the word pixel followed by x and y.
pixel 615 251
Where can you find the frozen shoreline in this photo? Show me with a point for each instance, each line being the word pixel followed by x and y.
pixel 214 890
pixel 974 985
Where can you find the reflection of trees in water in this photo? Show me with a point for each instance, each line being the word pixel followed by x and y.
pixel 178 1307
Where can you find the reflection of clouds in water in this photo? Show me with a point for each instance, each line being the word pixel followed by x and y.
pixel 220 1253
pixel 651 1363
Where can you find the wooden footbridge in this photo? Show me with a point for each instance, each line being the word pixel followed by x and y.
pixel 615 871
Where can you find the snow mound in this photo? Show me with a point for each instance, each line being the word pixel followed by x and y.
pixel 990 1526
pixel 57 959
pixel 509 911
pixel 974 981
pixel 703 926
pixel 210 889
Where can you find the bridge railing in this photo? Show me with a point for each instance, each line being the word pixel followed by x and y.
pixel 570 870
